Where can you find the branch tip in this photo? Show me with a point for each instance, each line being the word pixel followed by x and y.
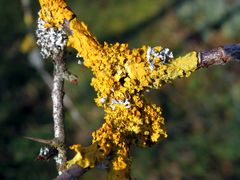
pixel 220 55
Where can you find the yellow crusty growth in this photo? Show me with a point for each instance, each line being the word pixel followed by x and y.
pixel 120 77
pixel 54 12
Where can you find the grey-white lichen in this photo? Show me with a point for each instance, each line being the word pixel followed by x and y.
pixel 58 158
pixel 165 55
pixel 124 102
pixel 44 151
pixel 79 59
pixel 52 41
pixel 102 100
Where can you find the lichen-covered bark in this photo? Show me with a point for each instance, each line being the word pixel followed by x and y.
pixel 120 77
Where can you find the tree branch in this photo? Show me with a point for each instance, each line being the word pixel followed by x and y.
pixel 58 108
pixel 74 172
pixel 120 76
pixel 220 55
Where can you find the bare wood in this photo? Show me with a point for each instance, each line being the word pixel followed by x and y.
pixel 220 55
pixel 74 172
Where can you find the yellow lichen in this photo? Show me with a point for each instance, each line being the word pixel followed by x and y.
pixel 85 157
pixel 179 67
pixel 54 12
pixel 119 164
pixel 120 77
pixel 88 156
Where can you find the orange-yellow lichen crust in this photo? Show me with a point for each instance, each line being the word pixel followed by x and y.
pixel 120 77
pixel 54 12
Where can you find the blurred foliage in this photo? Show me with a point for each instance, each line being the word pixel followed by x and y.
pixel 202 112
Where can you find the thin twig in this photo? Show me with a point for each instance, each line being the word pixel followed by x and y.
pixel 57 92
pixel 37 62
pixel 58 108
pixel 220 55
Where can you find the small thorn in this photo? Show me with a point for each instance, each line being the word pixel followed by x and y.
pixel 44 141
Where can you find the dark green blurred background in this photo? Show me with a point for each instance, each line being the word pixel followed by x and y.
pixel 202 112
